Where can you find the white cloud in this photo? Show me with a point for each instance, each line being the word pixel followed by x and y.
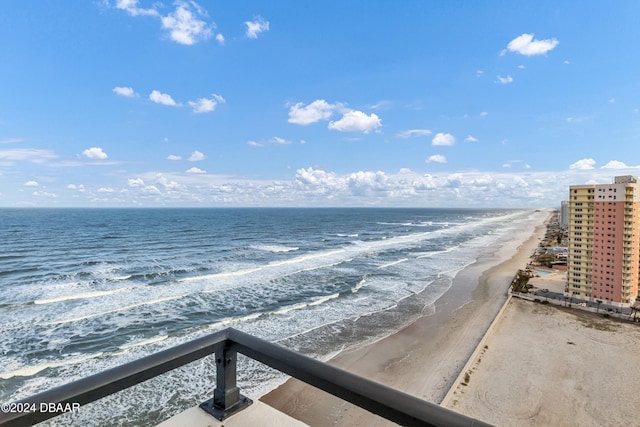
pixel 278 140
pixel 436 158
pixel 407 187
pixel 316 187
pixel 322 181
pixel 95 153
pixel 612 101
pixel 522 67
pixel 31 184
pixel 131 7
pixel 255 27
pixel 173 157
pixel 351 121
pixel 44 194
pixel 479 73
pixel 505 80
pixel 583 164
pixel 124 91
pixel 443 139
pixel 29 154
pixel 365 183
pixel 381 105
pixel 196 170
pixel 484 114
pixel 412 133
pixel 312 113
pixel 615 164
pixel 11 140
pixel 135 182
pixel 151 189
pixel 471 138
pixel 171 185
pixel 205 105
pixel 526 45
pixel 162 98
pixel 79 188
pixel 356 121
pixel 196 156
pixel 275 140
pixel 184 25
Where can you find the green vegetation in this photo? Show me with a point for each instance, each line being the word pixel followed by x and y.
pixel 467 378
pixel 520 283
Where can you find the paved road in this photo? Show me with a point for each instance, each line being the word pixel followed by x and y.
pixel 571 302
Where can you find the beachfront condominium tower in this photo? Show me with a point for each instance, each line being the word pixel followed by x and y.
pixel 564 214
pixel 604 241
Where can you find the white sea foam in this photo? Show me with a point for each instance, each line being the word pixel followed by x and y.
pixel 360 284
pixel 63 285
pixel 233 320
pixel 125 308
pixel 321 266
pixel 274 265
pixel 221 275
pixel 324 299
pixel 81 295
pixel 275 248
pixel 28 371
pixel 400 261
pixel 431 254
pixel 143 343
pixel 303 258
pixel 288 308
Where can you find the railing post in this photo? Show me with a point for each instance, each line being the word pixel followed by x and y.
pixel 226 396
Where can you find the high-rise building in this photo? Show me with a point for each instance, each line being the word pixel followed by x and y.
pixel 604 241
pixel 564 214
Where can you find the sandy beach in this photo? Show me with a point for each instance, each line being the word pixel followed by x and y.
pixel 424 358
pixel 551 366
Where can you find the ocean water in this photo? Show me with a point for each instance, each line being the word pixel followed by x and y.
pixel 83 290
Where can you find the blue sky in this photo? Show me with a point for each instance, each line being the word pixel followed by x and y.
pixel 298 103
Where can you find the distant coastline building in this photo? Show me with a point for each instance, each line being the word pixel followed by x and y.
pixel 564 214
pixel 604 241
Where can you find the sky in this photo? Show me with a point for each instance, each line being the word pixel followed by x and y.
pixel 141 103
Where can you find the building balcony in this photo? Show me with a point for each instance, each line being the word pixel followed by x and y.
pixel 227 402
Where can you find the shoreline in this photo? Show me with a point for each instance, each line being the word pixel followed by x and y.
pixel 424 358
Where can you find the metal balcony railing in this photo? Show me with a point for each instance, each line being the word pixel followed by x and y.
pixel 384 401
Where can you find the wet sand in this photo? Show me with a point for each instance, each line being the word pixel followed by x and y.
pixel 424 358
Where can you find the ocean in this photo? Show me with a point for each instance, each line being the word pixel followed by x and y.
pixel 83 290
